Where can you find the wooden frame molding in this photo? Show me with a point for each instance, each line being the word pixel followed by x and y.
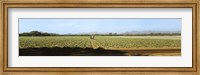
pixel 5 4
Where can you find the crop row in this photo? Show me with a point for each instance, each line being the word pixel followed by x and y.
pixel 38 42
pixel 100 41
pixel 137 43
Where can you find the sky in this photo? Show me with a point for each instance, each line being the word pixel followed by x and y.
pixel 85 25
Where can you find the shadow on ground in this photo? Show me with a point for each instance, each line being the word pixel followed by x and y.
pixel 68 51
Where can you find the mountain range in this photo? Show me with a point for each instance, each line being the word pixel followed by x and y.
pixel 135 32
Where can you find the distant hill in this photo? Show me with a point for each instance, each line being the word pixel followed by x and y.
pixel 150 32
pixel 130 33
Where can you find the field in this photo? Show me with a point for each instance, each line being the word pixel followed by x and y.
pixel 54 41
pixel 116 43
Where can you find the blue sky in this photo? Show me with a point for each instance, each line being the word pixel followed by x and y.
pixel 74 26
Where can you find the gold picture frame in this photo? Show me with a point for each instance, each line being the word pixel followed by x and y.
pixel 5 4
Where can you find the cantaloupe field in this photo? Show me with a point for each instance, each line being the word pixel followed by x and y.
pixel 106 42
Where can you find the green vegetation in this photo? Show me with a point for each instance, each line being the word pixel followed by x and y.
pixel 54 41
pixel 107 42
pixel 137 42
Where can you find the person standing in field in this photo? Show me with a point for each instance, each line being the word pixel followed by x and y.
pixel 92 36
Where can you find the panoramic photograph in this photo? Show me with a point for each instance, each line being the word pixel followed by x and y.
pixel 99 37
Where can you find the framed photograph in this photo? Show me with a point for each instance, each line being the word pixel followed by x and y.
pixel 100 37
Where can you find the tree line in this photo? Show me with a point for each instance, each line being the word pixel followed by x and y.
pixel 38 33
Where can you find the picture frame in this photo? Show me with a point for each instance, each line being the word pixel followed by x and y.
pixel 194 4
